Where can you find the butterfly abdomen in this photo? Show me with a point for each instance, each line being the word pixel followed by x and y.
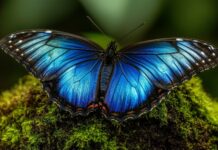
pixel 105 77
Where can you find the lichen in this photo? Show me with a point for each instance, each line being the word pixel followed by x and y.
pixel 186 119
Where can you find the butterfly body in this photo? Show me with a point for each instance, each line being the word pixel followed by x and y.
pixel 108 58
pixel 106 72
pixel 83 77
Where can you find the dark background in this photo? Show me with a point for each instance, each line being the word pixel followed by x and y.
pixel 163 18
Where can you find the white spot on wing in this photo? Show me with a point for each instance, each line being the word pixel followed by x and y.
pixel 12 36
pixel 211 47
pixel 48 31
pixel 179 39
pixel 20 41
pixel 202 53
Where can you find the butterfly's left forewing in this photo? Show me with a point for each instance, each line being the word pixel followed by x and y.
pixel 145 72
pixel 67 65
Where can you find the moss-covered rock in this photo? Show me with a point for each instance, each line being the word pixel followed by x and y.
pixel 186 119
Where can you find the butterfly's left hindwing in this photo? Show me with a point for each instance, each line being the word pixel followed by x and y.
pixel 147 71
pixel 67 65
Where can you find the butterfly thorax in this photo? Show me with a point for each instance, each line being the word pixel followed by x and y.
pixel 110 53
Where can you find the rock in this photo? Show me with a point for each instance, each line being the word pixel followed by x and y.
pixel 186 119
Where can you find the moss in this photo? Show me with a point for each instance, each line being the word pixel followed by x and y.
pixel 186 119
pixel 83 137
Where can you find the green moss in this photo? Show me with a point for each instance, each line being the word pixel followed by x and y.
pixel 83 137
pixel 186 119
pixel 200 98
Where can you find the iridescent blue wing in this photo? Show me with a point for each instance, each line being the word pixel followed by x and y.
pixel 147 71
pixel 67 65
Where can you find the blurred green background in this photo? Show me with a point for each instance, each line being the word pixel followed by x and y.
pixel 163 18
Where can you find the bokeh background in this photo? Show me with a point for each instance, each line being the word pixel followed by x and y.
pixel 163 18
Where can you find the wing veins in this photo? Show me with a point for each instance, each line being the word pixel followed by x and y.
pixel 136 53
pixel 182 66
pixel 24 41
pixel 157 84
pixel 116 87
pixel 169 68
pixel 83 76
pixel 42 40
pixel 28 56
pixel 139 70
pixel 197 52
pixel 124 74
pixel 178 64
pixel 97 62
pixel 192 66
pixel 69 60
pixel 76 48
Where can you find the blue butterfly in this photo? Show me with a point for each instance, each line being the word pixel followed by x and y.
pixel 83 77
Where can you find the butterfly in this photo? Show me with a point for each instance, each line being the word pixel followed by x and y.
pixel 83 77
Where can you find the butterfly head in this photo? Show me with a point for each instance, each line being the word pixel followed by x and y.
pixel 110 52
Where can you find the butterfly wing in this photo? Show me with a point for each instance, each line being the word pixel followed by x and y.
pixel 67 65
pixel 145 72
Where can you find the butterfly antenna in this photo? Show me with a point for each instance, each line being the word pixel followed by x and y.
pixel 93 22
pixel 130 32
